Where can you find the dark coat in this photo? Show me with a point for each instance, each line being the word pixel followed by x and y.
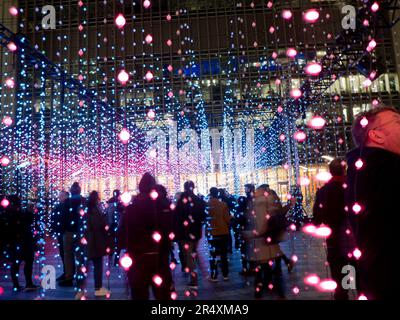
pixel 329 210
pixel 73 205
pixel 95 233
pixel 139 222
pixel 190 210
pixel 58 219
pixel 375 188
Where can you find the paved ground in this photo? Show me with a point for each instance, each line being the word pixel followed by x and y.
pixel 311 259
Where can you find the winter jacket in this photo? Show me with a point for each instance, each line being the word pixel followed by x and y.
pixel 143 219
pixel 71 214
pixel 189 217
pixel 259 249
pixel 95 233
pixel 375 188
pixel 218 212
pixel 329 210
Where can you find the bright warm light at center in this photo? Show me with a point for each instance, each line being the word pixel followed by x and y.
pixel 313 69
pixel 311 15
pixel 124 135
pixel 120 21
pixel 126 198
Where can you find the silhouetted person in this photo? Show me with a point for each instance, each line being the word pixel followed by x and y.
pixel 329 210
pixel 114 212
pixel 93 246
pixel 21 242
pixel 371 196
pixel 189 219
pixel 74 207
pixel 218 234
pixel 145 233
pixel 58 226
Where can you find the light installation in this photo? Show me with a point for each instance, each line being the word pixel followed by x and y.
pixel 139 100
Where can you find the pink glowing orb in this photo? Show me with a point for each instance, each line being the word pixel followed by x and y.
pixel 271 29
pixel 126 198
pixel 300 136
pixel 84 241
pixel 153 153
pixel 327 285
pixel 7 121
pixel 313 69
pixel 169 42
pixel 151 114
pixel 171 236
pixel 12 47
pixel 13 11
pixel 291 52
pixel 5 203
pixel 372 75
pixel 357 253
pixel 282 137
pixel 278 82
pixel 170 94
pixel 154 194
pixel 123 77
pixel 286 166
pixel 170 68
pixel 310 229
pixel 5 161
pixel 295 93
pixel 124 135
pixel 312 280
pixel 317 122
pixel 366 23
pixel 156 236
pixel 311 15
pixel 375 7
pixel 269 4
pixel 274 55
pixel 149 39
pixel 80 3
pixel 296 290
pixel 364 122
pixel 286 14
pixel 120 21
pixel 10 83
pixel 362 297
pixel 323 176
pixel 295 258
pixel 168 17
pixel 80 28
pixel 293 227
pixel 146 4
pixel 371 45
pixel 126 261
pixel 304 181
pixel 356 208
pixel 279 109
pixel 1 291
pixel 375 102
pixel 359 164
pixel 323 232
pixel 174 295
pixel 149 76
pixel 367 83
pixel 172 266
pixel 157 280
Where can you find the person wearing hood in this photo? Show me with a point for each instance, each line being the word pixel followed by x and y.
pixel 145 232
pixel 373 174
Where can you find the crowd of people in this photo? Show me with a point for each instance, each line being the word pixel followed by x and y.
pixel 359 208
